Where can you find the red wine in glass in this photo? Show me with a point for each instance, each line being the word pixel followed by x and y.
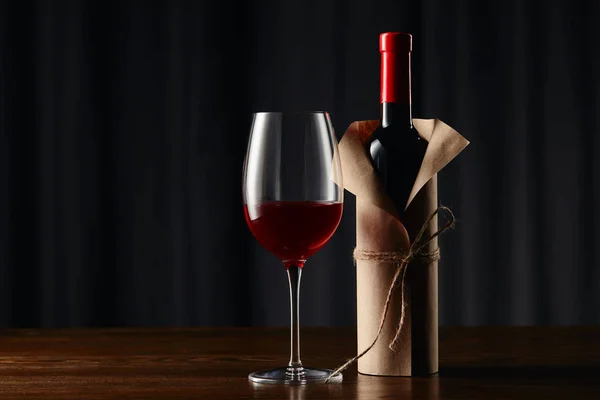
pixel 293 201
pixel 293 230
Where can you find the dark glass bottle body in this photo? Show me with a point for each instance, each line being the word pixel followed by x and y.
pixel 397 152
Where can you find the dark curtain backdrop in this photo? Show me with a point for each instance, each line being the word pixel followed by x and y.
pixel 123 127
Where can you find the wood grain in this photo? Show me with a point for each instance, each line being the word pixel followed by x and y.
pixel 475 363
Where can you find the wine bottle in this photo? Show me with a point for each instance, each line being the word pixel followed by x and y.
pixel 396 148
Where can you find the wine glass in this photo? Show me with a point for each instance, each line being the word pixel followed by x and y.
pixel 293 201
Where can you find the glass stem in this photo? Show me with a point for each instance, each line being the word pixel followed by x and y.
pixel 294 273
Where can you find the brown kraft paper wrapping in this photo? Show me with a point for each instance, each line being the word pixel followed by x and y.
pixel 379 229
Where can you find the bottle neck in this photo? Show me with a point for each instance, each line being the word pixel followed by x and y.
pixel 395 93
pixel 397 114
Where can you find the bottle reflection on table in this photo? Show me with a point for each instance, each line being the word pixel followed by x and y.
pixel 389 387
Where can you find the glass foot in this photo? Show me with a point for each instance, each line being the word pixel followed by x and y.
pixel 294 376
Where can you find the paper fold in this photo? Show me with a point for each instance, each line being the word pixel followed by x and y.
pixel 443 145
pixel 360 178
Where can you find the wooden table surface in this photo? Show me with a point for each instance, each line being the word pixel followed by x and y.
pixel 476 363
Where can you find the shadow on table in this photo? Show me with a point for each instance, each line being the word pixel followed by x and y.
pixel 363 388
pixel 528 372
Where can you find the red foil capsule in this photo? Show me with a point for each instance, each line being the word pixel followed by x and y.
pixel 395 48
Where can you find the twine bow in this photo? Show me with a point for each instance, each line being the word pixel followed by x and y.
pixel 402 259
